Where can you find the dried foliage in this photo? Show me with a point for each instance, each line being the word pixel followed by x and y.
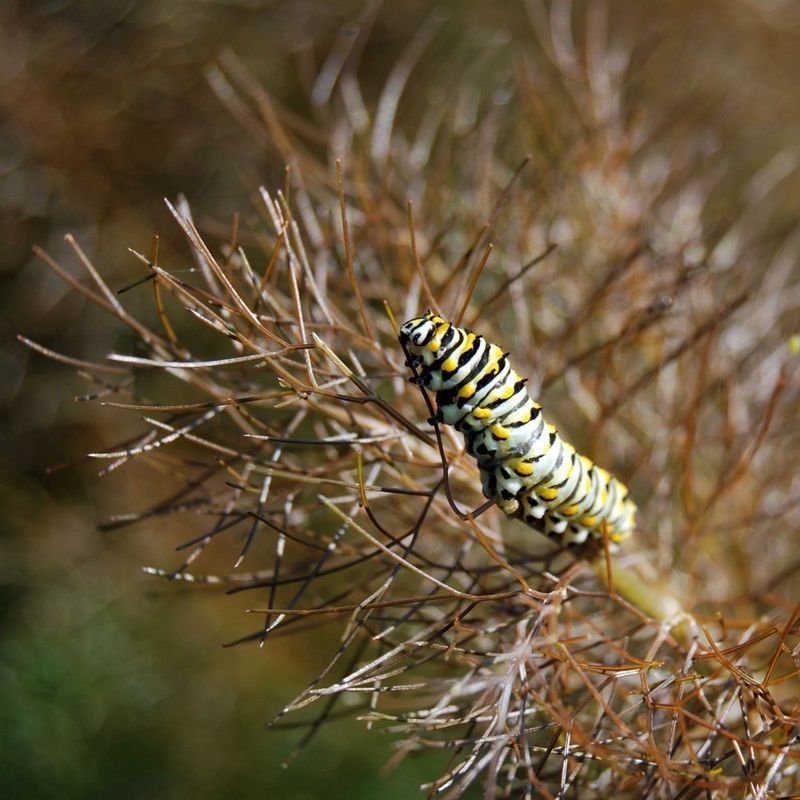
pixel 651 299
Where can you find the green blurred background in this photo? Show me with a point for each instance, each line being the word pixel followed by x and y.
pixel 111 683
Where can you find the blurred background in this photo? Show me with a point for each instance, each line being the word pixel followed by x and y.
pixel 112 683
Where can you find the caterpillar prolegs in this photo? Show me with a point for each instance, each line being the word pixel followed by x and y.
pixel 526 467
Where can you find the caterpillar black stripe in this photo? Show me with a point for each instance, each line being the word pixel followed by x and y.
pixel 526 467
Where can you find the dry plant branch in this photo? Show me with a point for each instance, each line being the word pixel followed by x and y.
pixel 668 668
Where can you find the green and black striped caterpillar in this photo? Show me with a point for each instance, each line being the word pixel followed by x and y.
pixel 526 467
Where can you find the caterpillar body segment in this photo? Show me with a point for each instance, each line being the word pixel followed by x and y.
pixel 525 466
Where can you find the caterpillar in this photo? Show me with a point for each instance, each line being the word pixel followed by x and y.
pixel 526 467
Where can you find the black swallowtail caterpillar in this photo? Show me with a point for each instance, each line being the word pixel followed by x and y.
pixel 526 467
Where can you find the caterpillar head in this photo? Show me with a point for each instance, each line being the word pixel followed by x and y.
pixel 420 332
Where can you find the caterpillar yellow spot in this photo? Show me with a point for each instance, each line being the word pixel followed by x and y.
pixel 499 432
pixel 481 413
pixel 547 492
pixel 467 391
